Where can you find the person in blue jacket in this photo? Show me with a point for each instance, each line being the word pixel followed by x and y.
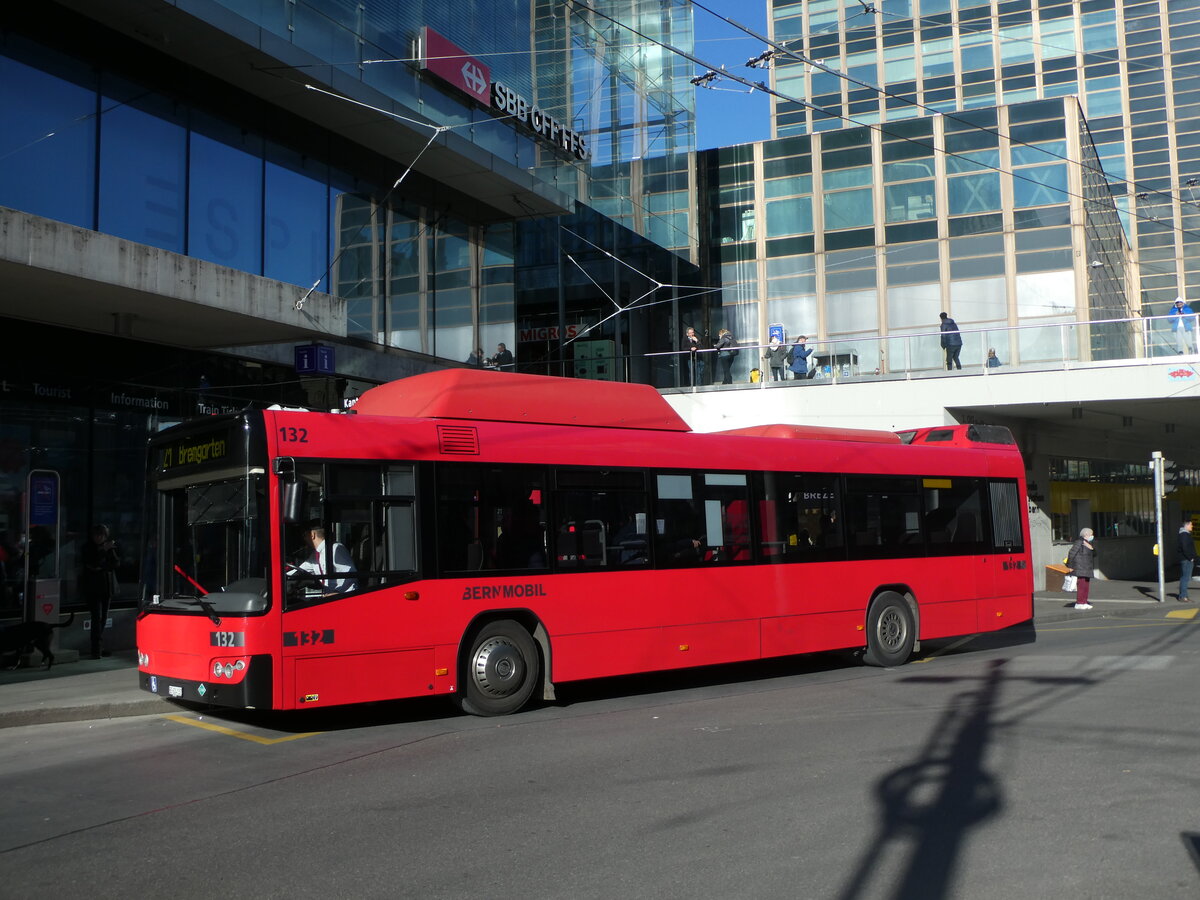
pixel 1182 322
pixel 800 355
pixel 951 341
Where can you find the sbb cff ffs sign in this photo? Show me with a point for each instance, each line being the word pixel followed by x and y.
pixel 508 101
pixel 453 65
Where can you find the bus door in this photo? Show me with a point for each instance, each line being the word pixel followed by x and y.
pixel 349 547
pixel 1012 584
pixel 956 536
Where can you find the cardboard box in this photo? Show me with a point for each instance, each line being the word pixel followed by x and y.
pixel 1054 577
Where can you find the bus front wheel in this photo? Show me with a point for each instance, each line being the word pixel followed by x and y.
pixel 500 670
pixel 891 633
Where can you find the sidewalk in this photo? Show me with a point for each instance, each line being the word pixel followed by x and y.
pixel 108 688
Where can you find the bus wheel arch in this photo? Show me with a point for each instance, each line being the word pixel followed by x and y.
pixel 501 662
pixel 892 624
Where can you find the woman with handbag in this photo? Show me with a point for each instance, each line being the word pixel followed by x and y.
pixel 96 582
pixel 1081 560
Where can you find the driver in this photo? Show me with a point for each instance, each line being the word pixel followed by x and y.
pixel 318 564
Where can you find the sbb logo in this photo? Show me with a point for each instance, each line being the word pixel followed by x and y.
pixel 474 78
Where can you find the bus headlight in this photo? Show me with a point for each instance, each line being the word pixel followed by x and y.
pixel 227 668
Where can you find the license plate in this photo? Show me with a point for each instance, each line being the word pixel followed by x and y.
pixel 174 690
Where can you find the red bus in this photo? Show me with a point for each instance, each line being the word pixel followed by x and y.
pixel 487 536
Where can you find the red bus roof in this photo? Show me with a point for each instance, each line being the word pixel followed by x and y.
pixel 816 433
pixel 509 397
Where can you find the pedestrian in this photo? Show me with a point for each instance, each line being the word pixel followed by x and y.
pixel 776 357
pixel 476 358
pixel 694 360
pixel 1081 560
pixel 993 361
pixel 800 355
pixel 951 341
pixel 1183 321
pixel 726 353
pixel 97 581
pixel 1187 559
pixel 503 358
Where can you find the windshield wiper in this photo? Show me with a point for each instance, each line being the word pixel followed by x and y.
pixel 208 608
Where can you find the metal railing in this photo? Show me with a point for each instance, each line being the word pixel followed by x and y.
pixel 1017 348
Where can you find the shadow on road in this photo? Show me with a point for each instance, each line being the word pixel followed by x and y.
pixel 929 806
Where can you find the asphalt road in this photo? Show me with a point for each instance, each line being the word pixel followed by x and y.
pixel 1065 767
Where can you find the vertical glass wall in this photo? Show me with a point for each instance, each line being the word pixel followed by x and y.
pixel 970 214
pixel 630 97
pixel 1132 64
pixel 91 149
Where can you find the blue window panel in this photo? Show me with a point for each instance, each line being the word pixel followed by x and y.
pixel 792 216
pixel 909 202
pixel 973 161
pixel 1040 186
pixel 296 227
pixel 48 145
pixel 143 153
pixel 1103 103
pixel 849 209
pixel 225 195
pixel 1031 154
pixel 968 194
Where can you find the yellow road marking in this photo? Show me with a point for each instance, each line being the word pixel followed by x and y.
pixel 232 732
pixel 1042 628
pixel 1183 613
pixel 932 656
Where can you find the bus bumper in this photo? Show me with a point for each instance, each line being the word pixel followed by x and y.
pixel 252 692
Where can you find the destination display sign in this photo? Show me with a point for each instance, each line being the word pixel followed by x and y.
pixel 216 449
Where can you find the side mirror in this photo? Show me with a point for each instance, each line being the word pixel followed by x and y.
pixel 293 500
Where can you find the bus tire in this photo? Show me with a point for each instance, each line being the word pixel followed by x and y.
pixel 500 671
pixel 891 633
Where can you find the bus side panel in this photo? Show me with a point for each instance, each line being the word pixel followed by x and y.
pixel 949 618
pixel 351 649
pixel 813 633
pixel 359 677
pixel 1001 612
pixel 710 643
pixel 601 654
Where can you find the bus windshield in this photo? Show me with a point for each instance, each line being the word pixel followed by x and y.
pixel 214 544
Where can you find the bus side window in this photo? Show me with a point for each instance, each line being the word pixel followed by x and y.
pixel 490 517
pixel 601 517
pixel 703 518
pixel 799 517
pixel 883 517
pixel 953 515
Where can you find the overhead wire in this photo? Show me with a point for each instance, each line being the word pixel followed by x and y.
pixel 819 64
pixel 881 128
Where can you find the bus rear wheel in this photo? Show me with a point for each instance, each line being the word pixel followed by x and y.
pixel 500 671
pixel 891 633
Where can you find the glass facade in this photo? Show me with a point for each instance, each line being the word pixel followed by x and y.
pixel 86 411
pixel 110 135
pixel 917 217
pixel 1133 66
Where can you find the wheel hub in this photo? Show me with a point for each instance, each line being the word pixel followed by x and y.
pixel 499 668
pixel 891 629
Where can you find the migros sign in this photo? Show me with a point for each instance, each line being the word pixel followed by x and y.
pixel 451 64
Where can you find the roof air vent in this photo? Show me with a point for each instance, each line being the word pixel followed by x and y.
pixel 461 439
